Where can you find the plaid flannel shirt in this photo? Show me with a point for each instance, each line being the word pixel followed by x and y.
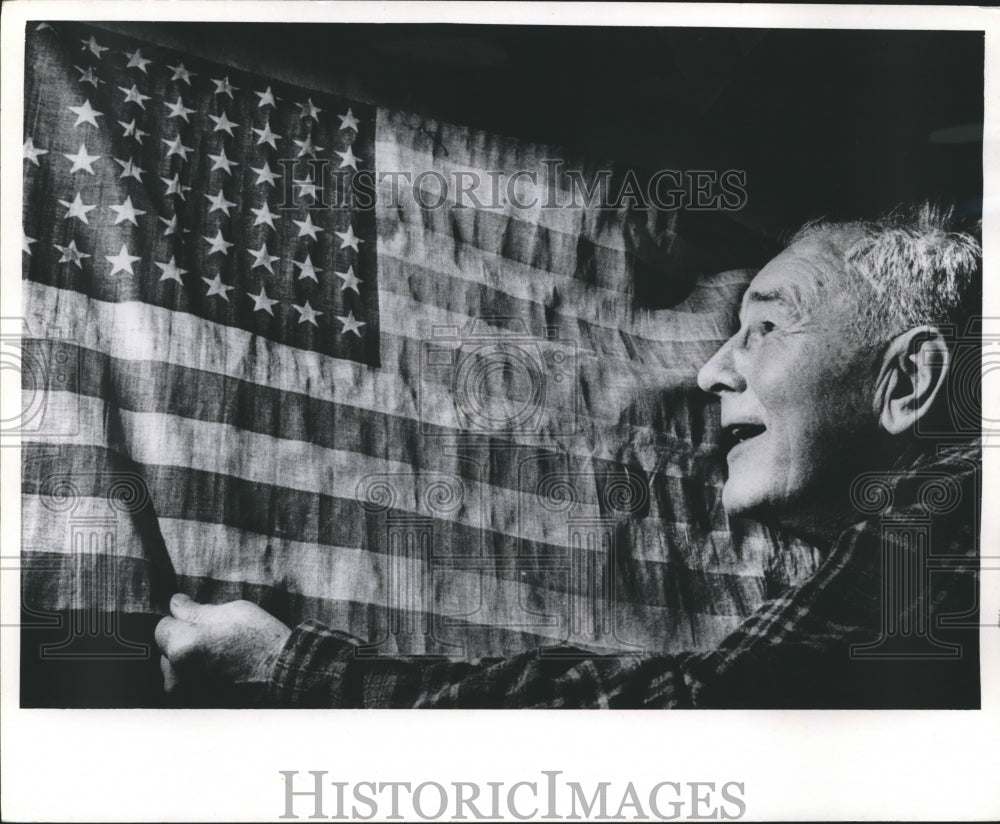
pixel 795 651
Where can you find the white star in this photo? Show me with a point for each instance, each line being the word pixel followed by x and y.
pixel 350 324
pixel 177 148
pixel 32 152
pixel 350 281
pixel 217 287
pixel 172 227
pixel 261 302
pixel 85 113
pixel 307 186
pixel 175 187
pixel 308 270
pixel 87 76
pixel 26 243
pixel 82 160
pixel 348 238
pixel 264 215
pixel 224 86
pixel 180 73
pixel 261 257
pixel 70 254
pixel 306 147
pixel 309 109
pixel 265 175
pixel 137 61
pixel 130 130
pixel 122 262
pixel 178 109
pixel 77 208
pixel 133 95
pixel 94 47
pixel 126 212
pixel 267 98
pixel 220 203
pixel 171 271
pixel 265 135
pixel 307 313
pixel 129 169
pixel 307 227
pixel 223 123
pixel 348 121
pixel 219 244
pixel 348 159
pixel 220 161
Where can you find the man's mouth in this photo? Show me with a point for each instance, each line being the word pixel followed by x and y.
pixel 737 433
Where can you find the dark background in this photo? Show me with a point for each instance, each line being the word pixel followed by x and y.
pixel 825 122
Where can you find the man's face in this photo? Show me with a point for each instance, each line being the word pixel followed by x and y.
pixel 796 386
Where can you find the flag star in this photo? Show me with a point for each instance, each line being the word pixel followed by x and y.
pixel 133 95
pixel 267 98
pixel 77 208
pixel 265 175
pixel 307 227
pixel 262 303
pixel 307 313
pixel 130 130
pixel 265 135
pixel 217 287
pixel 350 280
pixel 87 76
pixel 307 186
pixel 177 148
pixel 348 238
pixel 220 203
pixel 308 270
pixel 219 243
pixel 175 187
pixel 348 158
pixel 82 160
pixel 32 152
pixel 309 109
pixel 181 73
pixel 224 86
pixel 348 121
pixel 129 169
pixel 306 147
pixel 264 215
pixel 122 262
pixel 171 271
pixel 137 61
pixel 178 109
pixel 350 324
pixel 94 47
pixel 26 243
pixel 172 227
pixel 261 257
pixel 70 254
pixel 85 113
pixel 220 161
pixel 126 212
pixel 223 123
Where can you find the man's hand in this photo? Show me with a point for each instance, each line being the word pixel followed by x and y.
pixel 218 646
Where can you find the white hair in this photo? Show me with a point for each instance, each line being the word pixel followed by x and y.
pixel 915 266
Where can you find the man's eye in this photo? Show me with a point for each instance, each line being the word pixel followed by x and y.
pixel 766 326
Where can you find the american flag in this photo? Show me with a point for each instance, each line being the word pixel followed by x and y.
pixel 255 396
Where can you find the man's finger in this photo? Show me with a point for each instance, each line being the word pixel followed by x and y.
pixel 184 608
pixel 164 631
pixel 170 679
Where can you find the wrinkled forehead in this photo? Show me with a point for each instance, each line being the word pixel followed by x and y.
pixel 809 276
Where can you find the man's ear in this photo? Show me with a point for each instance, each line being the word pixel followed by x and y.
pixel 912 374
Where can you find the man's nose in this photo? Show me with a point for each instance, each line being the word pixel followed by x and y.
pixel 720 374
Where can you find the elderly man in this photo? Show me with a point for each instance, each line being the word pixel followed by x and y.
pixel 837 373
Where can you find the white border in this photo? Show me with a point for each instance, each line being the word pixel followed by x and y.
pixel 130 765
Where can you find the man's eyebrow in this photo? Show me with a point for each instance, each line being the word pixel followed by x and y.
pixel 789 297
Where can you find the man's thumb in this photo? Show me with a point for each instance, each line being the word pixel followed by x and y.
pixel 184 608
